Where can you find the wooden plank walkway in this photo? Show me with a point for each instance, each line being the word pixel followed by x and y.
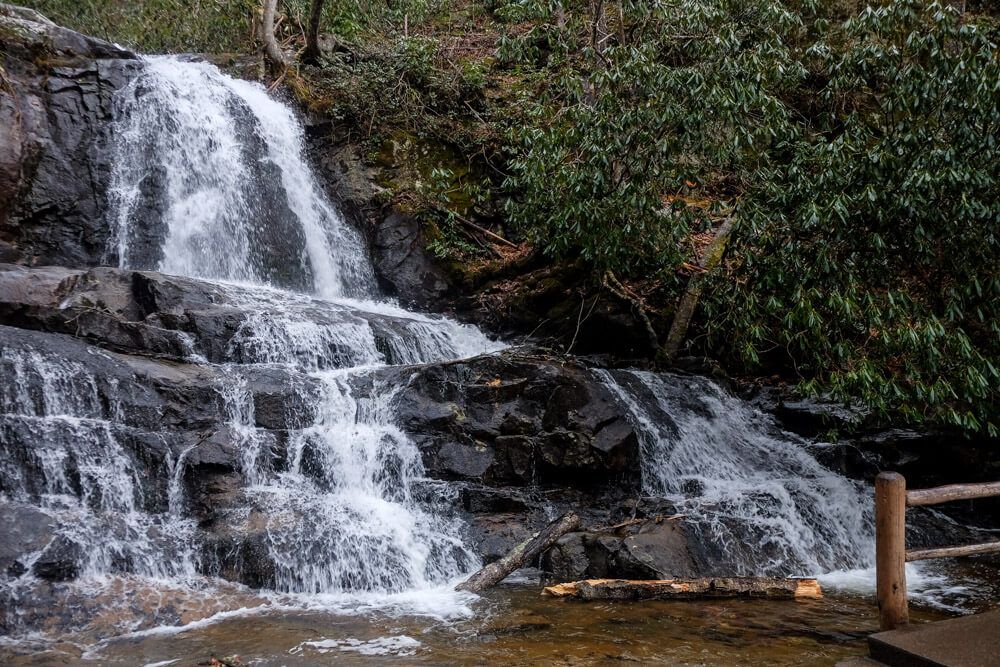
pixel 967 641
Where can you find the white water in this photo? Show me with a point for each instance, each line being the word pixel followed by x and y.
pixel 757 500
pixel 755 495
pixel 338 515
pixel 199 127
pixel 74 467
pixel 340 507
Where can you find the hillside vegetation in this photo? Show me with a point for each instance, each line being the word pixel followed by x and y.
pixel 847 150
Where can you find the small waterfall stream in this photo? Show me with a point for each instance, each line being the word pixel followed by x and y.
pixel 754 495
pixel 80 474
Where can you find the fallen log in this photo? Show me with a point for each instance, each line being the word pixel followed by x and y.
pixel 683 589
pixel 520 555
pixel 953 552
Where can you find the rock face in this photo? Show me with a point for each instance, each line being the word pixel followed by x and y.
pixel 150 313
pixel 55 105
pixel 515 420
pixel 402 260
pixel 402 263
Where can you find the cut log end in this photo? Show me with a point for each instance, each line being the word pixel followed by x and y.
pixel 808 589
pixel 667 589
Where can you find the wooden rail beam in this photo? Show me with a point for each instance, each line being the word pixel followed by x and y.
pixel 944 494
pixel 951 552
pixel 891 556
pixel 890 550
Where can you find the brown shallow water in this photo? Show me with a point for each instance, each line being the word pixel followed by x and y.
pixel 515 626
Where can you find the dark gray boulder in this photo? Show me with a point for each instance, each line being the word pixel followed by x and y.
pixel 518 419
pixel 24 531
pixel 59 561
pixel 402 260
pixel 55 112
pixel 154 314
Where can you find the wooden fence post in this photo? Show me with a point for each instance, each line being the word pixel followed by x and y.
pixel 890 550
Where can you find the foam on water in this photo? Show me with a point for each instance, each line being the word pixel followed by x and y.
pixel 925 584
pixel 398 645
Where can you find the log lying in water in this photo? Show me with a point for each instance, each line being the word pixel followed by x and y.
pixel 680 589
pixel 520 555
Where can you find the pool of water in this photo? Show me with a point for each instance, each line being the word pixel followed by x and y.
pixel 513 625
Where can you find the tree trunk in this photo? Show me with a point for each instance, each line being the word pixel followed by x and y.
pixel 311 54
pixel 682 589
pixel 271 49
pixel 520 555
pixel 688 302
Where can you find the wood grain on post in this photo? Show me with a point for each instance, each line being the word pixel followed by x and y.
pixel 890 550
pixel 944 494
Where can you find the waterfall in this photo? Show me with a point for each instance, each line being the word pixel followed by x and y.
pixel 755 497
pixel 342 514
pixel 210 181
pixel 67 454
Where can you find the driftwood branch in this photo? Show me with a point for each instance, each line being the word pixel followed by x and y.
pixel 520 555
pixel 272 51
pixel 673 589
pixel 496 237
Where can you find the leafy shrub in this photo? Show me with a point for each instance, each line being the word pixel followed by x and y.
pixel 159 26
pixel 856 149
pixel 868 259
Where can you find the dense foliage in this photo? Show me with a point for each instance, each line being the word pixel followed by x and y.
pixel 217 26
pixel 158 26
pixel 854 145
pixel 869 250
pixel 856 149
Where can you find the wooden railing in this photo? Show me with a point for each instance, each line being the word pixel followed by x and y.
pixel 891 556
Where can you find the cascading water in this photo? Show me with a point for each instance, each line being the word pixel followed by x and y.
pixel 219 162
pixel 209 181
pixel 339 514
pixel 753 495
pixel 73 466
pixel 757 499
